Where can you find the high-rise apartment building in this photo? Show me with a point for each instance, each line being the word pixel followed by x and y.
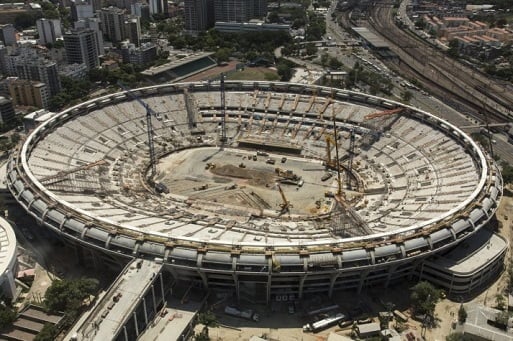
pixel 29 93
pixel 141 10
pixel 94 24
pixel 7 113
pixel 81 9
pixel 113 21
pixel 202 14
pixel 199 15
pixel 82 48
pixel 158 7
pixel 133 30
pixel 49 30
pixel 8 34
pixel 38 69
pixel 239 10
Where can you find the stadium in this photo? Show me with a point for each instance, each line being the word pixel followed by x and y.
pixel 264 189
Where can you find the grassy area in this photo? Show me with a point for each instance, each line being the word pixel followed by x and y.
pixel 254 74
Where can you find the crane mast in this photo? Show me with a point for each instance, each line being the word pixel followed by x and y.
pixel 149 128
pixel 223 112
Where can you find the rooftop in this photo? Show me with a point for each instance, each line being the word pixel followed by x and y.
pixel 474 252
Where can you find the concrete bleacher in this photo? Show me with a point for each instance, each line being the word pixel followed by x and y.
pixel 419 171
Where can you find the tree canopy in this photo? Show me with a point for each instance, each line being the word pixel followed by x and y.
pixel 424 297
pixel 68 295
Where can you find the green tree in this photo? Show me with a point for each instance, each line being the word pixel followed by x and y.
pixel 324 59
pixel 334 63
pixel 284 70
pixel 25 20
pixel 274 17
pixel 501 301
pixel 453 50
pixel 407 96
pixel 507 176
pixel 424 297
pixel 222 55
pixel 209 320
pixel 462 314
pixel 311 49
pixel 459 337
pixel 68 295
pixel 7 316
pixel 48 333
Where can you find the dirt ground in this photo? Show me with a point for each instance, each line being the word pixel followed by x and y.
pixel 282 326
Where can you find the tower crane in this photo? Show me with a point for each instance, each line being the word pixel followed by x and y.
pixel 352 139
pixel 149 127
pixel 223 112
pixel 329 142
pixel 285 205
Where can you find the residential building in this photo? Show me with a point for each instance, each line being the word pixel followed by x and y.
pixel 112 21
pixel 3 61
pixel 158 7
pixel 141 10
pixel 74 71
pixel 6 111
pixel 93 24
pixel 81 9
pixel 199 15
pixel 82 47
pixel 49 30
pixel 140 55
pixel 133 30
pixel 39 70
pixel 239 10
pixel 29 93
pixel 8 34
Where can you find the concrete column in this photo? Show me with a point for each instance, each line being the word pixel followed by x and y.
pixel 145 311
pixel 126 334
pixel 301 285
pixel 204 279
pixel 363 276
pixel 135 323
pixel 154 299
pixel 333 279
pixel 268 294
pixel 162 285
pixel 237 287
pixel 391 270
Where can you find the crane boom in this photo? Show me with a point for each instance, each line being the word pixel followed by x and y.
pixel 383 113
pixel 63 173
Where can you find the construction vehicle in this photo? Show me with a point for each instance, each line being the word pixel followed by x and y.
pixel 247 314
pixel 324 323
pixel 288 177
pixel 326 176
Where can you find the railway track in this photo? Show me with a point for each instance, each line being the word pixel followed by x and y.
pixel 443 76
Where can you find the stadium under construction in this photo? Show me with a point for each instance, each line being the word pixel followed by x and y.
pixel 263 189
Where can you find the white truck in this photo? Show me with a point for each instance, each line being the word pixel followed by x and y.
pixel 246 314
